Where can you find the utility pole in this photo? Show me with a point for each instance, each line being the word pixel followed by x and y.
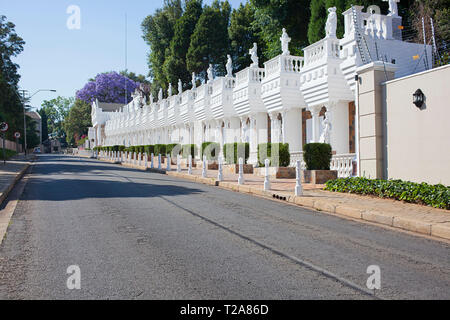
pixel 24 121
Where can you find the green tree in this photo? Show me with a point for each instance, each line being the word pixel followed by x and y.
pixel 133 76
pixel 210 42
pixel 56 111
pixel 242 35
pixel 11 45
pixel 317 21
pixel 158 31
pixel 78 121
pixel 271 16
pixel 175 65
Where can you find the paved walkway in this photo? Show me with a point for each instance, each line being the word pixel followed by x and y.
pixel 11 172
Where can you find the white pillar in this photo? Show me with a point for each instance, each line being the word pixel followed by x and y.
pixel 168 162
pixel 266 175
pixel 204 164
pixel 220 173
pixel 190 164
pixel 145 160
pixel 298 182
pixel 315 111
pixel 178 163
pixel 159 161
pixel 241 171
pixel 151 161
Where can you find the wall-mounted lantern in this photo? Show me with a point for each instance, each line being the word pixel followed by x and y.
pixel 418 98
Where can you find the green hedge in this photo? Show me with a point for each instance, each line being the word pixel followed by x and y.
pixel 149 149
pixel 317 156
pixel 160 149
pixel 277 153
pixel 188 149
pixel 171 147
pixel 437 196
pixel 212 150
pixel 8 154
pixel 233 151
pixel 121 148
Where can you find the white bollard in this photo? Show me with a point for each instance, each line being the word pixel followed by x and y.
pixel 266 175
pixel 151 161
pixel 204 174
pixel 169 160
pixel 220 173
pixel 190 164
pixel 139 159
pixel 145 160
pixel 241 171
pixel 298 182
pixel 178 163
pixel 134 158
pixel 159 161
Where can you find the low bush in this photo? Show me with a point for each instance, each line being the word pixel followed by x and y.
pixel 188 149
pixel 317 156
pixel 211 150
pixel 121 148
pixel 160 149
pixel 233 151
pixel 277 153
pixel 149 149
pixel 437 196
pixel 8 154
pixel 173 149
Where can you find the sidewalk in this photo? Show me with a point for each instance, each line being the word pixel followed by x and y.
pixel 12 172
pixel 411 217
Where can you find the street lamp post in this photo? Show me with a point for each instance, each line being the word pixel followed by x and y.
pixel 24 100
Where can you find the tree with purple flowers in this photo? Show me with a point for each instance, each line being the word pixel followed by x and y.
pixel 108 87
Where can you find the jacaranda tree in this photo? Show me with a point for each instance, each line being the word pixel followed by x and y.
pixel 108 87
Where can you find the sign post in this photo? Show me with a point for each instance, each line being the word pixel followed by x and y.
pixel 17 136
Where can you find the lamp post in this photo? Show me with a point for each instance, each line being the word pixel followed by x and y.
pixel 24 100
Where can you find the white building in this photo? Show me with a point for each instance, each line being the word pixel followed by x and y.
pixel 290 99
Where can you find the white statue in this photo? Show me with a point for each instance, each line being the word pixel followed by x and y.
pixel 193 81
pixel 331 25
pixel 180 86
pixel 393 9
pixel 170 90
pixel 160 95
pixel 285 42
pixel 210 73
pixel 229 66
pixel 151 98
pixel 254 55
pixel 325 137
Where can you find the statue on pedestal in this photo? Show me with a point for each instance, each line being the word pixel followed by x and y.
pixel 210 73
pixel 285 43
pixel 170 90
pixel 393 9
pixel 229 66
pixel 254 55
pixel 331 25
pixel 180 86
pixel 160 95
pixel 325 137
pixel 194 85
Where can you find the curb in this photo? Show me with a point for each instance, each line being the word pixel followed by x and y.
pixel 439 230
pixel 18 176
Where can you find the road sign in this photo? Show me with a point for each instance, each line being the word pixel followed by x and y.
pixel 17 135
pixel 4 127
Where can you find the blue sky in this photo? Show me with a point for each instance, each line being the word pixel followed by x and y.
pixel 62 59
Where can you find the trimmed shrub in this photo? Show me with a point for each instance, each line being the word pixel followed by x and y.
pixel 121 148
pixel 317 156
pixel 149 149
pixel 211 150
pixel 188 149
pixel 277 153
pixel 437 196
pixel 233 151
pixel 160 149
pixel 173 147
pixel 8 154
pixel 132 149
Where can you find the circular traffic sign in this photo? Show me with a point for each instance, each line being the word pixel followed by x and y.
pixel 4 127
pixel 17 135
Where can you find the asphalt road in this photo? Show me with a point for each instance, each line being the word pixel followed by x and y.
pixel 139 235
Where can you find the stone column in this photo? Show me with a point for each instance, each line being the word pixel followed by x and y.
pixel 337 114
pixel 315 111
pixel 292 130
pixel 370 118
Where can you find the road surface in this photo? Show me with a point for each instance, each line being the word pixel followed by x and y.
pixel 140 235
